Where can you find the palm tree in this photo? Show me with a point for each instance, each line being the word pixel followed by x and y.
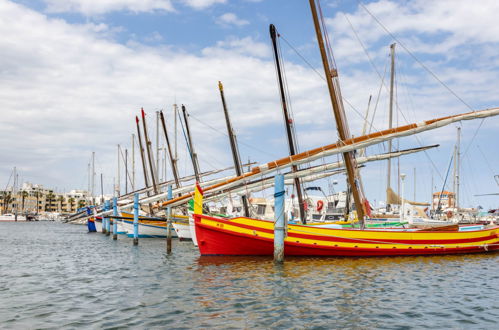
pixel 50 198
pixel 7 199
pixel 60 199
pixel 38 194
pixel 24 195
pixel 71 201
pixel 81 203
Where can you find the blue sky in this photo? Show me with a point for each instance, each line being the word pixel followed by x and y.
pixel 74 74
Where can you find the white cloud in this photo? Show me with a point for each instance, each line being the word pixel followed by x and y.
pixel 228 19
pixel 202 4
pixel 243 46
pixel 66 90
pixel 75 92
pixel 93 7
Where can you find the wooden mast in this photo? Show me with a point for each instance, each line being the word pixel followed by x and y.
pixel 351 144
pixel 194 156
pixel 173 161
pixel 149 152
pixel 390 120
pixel 288 121
pixel 340 118
pixel 142 157
pixel 233 147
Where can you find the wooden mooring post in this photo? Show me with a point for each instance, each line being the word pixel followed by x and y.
pixel 104 219
pixel 280 221
pixel 136 219
pixel 169 222
pixel 115 220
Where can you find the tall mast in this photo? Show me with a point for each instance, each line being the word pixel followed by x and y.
pixel 287 121
pixel 101 189
pixel 175 110
pixel 194 156
pixel 126 171
pixel 149 153
pixel 390 119
pixel 142 156
pixel 157 147
pixel 118 174
pixel 133 162
pixel 89 175
pixel 173 161
pixel 458 160
pixel 14 191
pixel 233 147
pixel 93 177
pixel 339 115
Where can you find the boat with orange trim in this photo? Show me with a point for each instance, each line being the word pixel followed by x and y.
pixel 245 236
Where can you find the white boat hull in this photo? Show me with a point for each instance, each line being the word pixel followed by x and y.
pixel 147 231
pixel 183 230
pixel 12 217
pixel 192 229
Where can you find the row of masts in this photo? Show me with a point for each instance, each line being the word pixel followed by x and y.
pixel 331 75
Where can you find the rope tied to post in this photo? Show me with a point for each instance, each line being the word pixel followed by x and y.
pixel 279 194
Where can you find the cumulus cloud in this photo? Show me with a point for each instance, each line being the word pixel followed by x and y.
pixel 92 7
pixel 67 89
pixel 231 19
pixel 202 4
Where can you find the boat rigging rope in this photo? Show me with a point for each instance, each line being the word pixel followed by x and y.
pixel 221 132
pixel 428 70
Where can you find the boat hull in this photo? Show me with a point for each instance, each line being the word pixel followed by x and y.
pixel 183 230
pixel 148 229
pixel 244 236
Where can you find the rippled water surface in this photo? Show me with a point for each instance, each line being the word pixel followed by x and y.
pixel 58 275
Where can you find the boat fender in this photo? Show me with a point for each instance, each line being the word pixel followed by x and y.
pixel 320 205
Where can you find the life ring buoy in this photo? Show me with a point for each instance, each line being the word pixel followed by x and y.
pixel 320 205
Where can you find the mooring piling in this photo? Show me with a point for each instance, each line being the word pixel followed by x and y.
pixel 169 222
pixel 108 221
pixel 104 219
pixel 136 219
pixel 280 221
pixel 115 220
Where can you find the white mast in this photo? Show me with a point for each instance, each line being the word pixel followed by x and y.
pixel 158 168
pixel 458 160
pixel 118 175
pixel 93 178
pixel 175 110
pixel 133 162
pixel 390 117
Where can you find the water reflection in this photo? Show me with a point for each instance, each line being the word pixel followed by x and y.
pixel 58 275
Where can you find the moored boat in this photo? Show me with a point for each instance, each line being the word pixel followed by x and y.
pixel 246 236
pixel 12 217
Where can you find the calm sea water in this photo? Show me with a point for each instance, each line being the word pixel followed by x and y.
pixel 56 275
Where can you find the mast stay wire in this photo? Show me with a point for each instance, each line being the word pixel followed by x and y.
pixel 427 70
pixel 287 96
pixel 322 77
pixel 189 150
pixel 221 132
pixel 386 87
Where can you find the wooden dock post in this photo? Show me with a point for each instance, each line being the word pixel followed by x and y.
pixel 104 219
pixel 169 223
pixel 115 220
pixel 280 221
pixel 136 219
